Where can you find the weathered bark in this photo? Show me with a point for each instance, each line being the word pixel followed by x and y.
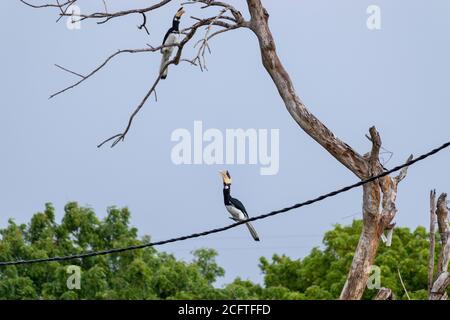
pixel 438 292
pixel 378 212
pixel 439 288
pixel 432 239
pixel 379 196
pixel 444 231
pixel 384 294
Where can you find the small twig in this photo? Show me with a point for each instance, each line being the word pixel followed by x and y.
pixel 121 136
pixel 209 3
pixel 390 153
pixel 403 172
pixel 64 11
pixel 105 16
pixel 59 6
pixel 188 61
pixel 204 42
pixel 70 71
pixel 350 216
pixel 106 7
pixel 144 23
pixel 104 63
pixel 403 285
pixel 61 9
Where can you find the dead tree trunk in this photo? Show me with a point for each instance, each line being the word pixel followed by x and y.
pixel 378 197
pixel 439 288
pixel 378 213
pixel 432 239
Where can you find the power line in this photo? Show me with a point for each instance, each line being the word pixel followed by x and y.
pixel 270 236
pixel 234 225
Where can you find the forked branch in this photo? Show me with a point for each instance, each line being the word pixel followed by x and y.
pixel 175 61
pixel 224 22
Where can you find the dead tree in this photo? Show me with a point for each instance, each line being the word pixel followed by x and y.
pixel 439 212
pixel 432 240
pixel 378 196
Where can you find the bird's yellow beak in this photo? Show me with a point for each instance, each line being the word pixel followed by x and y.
pixel 225 176
pixel 180 12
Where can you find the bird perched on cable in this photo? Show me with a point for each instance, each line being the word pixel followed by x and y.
pixel 170 38
pixel 234 206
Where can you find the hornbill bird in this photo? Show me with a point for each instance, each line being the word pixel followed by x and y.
pixel 234 206
pixel 170 38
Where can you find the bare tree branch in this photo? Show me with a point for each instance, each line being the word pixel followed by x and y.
pixel 101 66
pixel 219 20
pixel 64 10
pixel 49 5
pixel 175 61
pixel 375 138
pixel 200 58
pixel 105 16
pixel 403 172
pixel 208 3
pixel 144 23
pixel 70 71
pixel 106 7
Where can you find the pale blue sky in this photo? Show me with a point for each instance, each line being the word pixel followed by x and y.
pixel 349 77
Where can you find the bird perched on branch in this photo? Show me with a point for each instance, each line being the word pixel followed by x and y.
pixel 234 206
pixel 170 38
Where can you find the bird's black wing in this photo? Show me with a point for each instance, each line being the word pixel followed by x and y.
pixel 167 35
pixel 239 205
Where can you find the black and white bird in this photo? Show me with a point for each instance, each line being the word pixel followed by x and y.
pixel 234 206
pixel 170 38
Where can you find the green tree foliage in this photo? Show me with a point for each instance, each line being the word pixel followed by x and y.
pixel 140 274
pixel 149 274
pixel 322 274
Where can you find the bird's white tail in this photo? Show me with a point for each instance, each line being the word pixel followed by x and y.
pixel 252 231
pixel 164 59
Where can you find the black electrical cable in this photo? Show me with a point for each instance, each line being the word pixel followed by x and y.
pixel 217 230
